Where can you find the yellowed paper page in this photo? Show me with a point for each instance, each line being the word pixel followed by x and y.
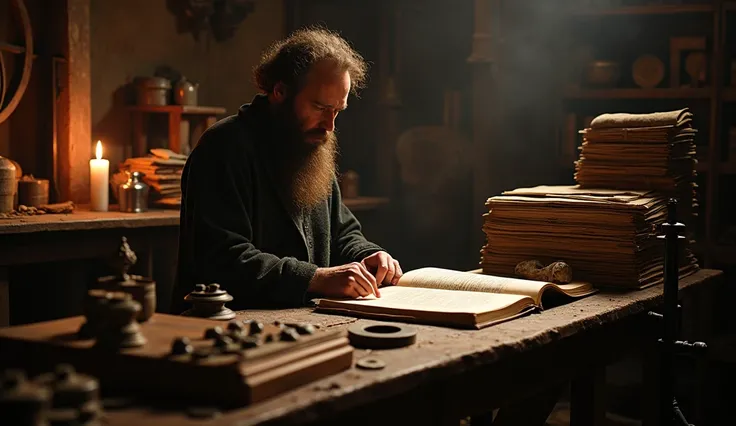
pixel 447 279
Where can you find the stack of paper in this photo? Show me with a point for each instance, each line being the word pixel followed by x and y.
pixel 607 236
pixel 642 151
pixel 162 169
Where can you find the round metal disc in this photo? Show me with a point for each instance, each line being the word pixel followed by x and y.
pixel 370 363
pixel 380 335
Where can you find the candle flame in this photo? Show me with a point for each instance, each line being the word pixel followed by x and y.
pixel 98 151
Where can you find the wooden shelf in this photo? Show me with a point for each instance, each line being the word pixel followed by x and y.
pixel 723 168
pixel 364 203
pixel 655 9
pixel 202 116
pixel 633 93
pixel 182 109
pixel 722 253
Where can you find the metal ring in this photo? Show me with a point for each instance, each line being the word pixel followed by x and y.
pixel 379 335
pixel 27 62
pixel 370 363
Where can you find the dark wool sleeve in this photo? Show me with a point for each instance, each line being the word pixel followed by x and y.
pixel 218 203
pixel 349 244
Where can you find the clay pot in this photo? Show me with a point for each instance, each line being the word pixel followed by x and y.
pixel 8 184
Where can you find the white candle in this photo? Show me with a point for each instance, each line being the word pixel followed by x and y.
pixel 99 175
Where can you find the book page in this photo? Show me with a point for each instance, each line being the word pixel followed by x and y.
pixel 436 300
pixel 433 306
pixel 468 281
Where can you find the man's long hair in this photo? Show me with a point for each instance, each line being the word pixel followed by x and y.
pixel 308 171
pixel 289 60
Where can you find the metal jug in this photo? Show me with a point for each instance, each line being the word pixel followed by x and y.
pixel 133 194
pixel 185 92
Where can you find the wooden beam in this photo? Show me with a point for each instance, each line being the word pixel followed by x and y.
pixel 587 400
pixel 389 103
pixel 483 113
pixel 75 140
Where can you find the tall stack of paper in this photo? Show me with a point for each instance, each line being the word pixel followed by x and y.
pixel 607 236
pixel 162 169
pixel 642 151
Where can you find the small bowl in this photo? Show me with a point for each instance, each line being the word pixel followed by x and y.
pixel 602 73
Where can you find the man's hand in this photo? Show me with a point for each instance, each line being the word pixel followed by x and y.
pixel 385 268
pixel 351 280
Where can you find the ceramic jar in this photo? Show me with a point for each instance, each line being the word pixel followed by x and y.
pixel 8 185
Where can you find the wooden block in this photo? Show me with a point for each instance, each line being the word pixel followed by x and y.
pixel 227 379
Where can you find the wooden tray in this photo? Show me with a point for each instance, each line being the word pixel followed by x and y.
pixel 225 379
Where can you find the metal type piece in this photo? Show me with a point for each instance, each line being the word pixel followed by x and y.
pixel 370 363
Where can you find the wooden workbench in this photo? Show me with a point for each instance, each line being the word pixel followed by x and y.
pixel 453 373
pixel 83 234
pixel 83 219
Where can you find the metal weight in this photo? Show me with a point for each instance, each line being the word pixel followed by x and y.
pixel 380 335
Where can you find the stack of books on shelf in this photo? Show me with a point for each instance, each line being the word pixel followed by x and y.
pixel 607 236
pixel 642 151
pixel 162 170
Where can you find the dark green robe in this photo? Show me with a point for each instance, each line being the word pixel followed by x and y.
pixel 236 228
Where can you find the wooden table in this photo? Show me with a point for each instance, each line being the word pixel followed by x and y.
pixel 449 373
pixel 80 235
pixel 85 234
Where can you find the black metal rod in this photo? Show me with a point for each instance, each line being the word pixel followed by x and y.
pixel 669 345
pixel 669 331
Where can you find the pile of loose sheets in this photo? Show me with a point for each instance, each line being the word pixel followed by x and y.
pixel 642 151
pixel 162 170
pixel 608 236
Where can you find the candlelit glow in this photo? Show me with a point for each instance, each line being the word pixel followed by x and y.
pixel 98 151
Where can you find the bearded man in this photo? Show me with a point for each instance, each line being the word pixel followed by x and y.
pixel 261 208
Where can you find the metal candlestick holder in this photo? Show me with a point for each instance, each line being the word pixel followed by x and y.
pixel 668 345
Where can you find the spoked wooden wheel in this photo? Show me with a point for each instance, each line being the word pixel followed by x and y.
pixel 10 96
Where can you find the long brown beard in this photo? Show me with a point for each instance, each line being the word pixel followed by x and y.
pixel 306 170
pixel 311 176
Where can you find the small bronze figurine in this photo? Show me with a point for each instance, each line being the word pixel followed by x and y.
pixel 142 290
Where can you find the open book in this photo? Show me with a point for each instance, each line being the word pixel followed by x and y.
pixel 454 298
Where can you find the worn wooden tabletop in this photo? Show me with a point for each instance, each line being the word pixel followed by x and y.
pixel 83 219
pixel 440 354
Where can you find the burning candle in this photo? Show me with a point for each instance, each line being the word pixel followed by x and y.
pixel 99 175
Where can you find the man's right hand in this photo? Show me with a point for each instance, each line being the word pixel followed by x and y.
pixel 351 280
